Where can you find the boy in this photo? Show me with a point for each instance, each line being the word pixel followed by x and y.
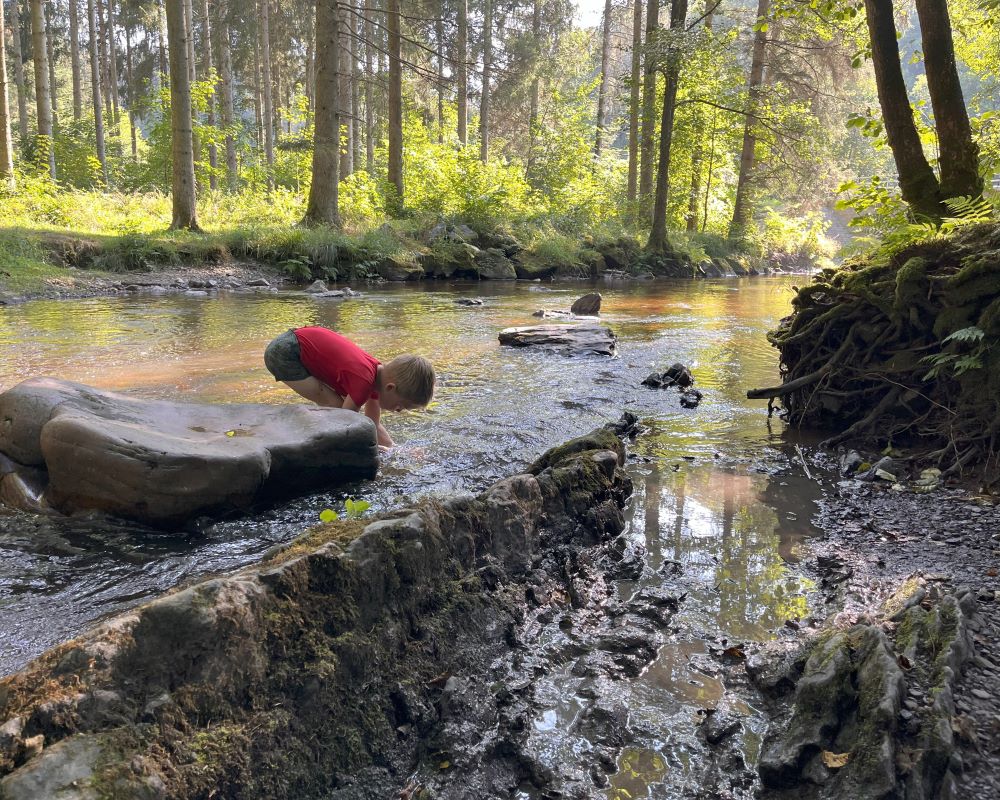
pixel 331 370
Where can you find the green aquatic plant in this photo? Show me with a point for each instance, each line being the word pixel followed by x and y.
pixel 353 509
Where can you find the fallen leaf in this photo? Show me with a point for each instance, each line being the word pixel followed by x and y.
pixel 991 573
pixel 734 652
pixel 444 765
pixel 230 433
pixel 834 760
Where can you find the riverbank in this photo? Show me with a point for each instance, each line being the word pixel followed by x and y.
pixel 80 243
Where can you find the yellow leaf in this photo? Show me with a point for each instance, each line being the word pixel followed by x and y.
pixel 834 760
pixel 444 765
pixel 230 433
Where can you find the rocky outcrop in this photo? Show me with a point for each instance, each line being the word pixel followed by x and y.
pixel 569 339
pixel 70 447
pixel 399 269
pixel 494 265
pixel 324 671
pixel 873 714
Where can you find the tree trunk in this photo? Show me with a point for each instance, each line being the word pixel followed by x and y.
pixel 536 32
pixel 43 103
pixel 462 71
pixel 6 142
pixel 105 69
pixel 228 110
pixel 648 101
pixel 161 27
pixel 53 84
pixel 258 98
pixel 742 207
pixel 189 28
pixel 95 87
pixel 484 97
pixel 130 91
pixel 633 104
pixel 694 199
pixel 323 208
pixel 74 54
pixel 206 47
pixel 395 204
pixel 346 124
pixel 116 103
pixel 672 71
pixel 602 91
pixel 439 37
pixel 267 111
pixel 917 182
pixel 958 153
pixel 357 31
pixel 17 29
pixel 369 89
pixel 185 214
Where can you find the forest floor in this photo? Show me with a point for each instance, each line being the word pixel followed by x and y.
pixel 877 538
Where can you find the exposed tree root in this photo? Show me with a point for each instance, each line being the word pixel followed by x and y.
pixel 867 352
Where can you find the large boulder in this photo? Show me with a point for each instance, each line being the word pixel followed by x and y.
pixel 533 267
pixel 451 260
pixel 71 447
pixel 571 339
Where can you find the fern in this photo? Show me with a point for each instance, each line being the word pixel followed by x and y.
pixel 970 334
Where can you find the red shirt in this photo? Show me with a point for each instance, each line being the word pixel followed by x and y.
pixel 339 363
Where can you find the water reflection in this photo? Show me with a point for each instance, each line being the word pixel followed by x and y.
pixel 699 500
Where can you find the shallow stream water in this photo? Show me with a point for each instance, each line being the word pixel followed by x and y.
pixel 716 489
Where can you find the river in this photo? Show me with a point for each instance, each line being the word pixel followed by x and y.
pixel 716 489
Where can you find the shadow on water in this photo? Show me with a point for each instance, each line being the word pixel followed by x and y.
pixel 715 492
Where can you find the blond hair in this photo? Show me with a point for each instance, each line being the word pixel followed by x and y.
pixel 413 376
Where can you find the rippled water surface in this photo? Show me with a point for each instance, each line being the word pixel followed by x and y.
pixel 706 492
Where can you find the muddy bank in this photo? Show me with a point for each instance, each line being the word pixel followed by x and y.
pixel 327 670
pixel 895 695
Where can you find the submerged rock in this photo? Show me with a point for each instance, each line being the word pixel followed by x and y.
pixel 587 306
pixel 571 339
pixel 163 463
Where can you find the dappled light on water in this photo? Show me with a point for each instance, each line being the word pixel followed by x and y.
pixel 713 501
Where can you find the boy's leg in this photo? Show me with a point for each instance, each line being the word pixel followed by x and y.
pixel 313 389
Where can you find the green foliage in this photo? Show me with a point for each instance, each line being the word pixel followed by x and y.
pixel 957 361
pixel 353 509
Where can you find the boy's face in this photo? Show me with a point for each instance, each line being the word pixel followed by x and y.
pixel 391 400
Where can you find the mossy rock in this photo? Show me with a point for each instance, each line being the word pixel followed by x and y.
pixel 530 266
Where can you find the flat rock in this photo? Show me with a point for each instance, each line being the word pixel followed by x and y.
pixel 570 339
pixel 162 463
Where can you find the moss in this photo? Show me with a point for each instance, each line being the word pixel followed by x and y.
pixel 598 440
pixel 895 603
pixel 912 284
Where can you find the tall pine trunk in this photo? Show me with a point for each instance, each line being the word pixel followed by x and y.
pixel 6 141
pixel 74 54
pixel 395 203
pixel 208 66
pixel 462 71
pixel 648 134
pixel 742 207
pixel 267 111
pixel 484 97
pixel 917 182
pixel 602 91
pixel 346 124
pixel 228 109
pixel 161 44
pixel 322 208
pixel 672 71
pixel 439 40
pixel 17 29
pixel 53 83
pixel 633 104
pixel 130 92
pixel 95 88
pixel 185 214
pixel 357 31
pixel 958 154
pixel 116 102
pixel 369 88
pixel 43 102
pixel 536 32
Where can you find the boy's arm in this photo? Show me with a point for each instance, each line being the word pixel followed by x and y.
pixel 373 410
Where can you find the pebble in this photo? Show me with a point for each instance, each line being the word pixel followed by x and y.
pixel 981 694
